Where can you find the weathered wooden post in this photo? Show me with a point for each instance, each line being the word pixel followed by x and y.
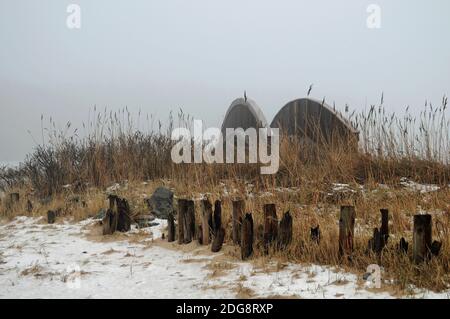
pixel 14 198
pixel 217 217
pixel 421 238
pixel 121 217
pixel 199 234
pixel 435 247
pixel 219 231
pixel 285 231
pixel 402 246
pixel 380 236
pixel 346 230
pixel 29 206
pixel 182 208
pixel 189 221
pixel 124 215
pixel 247 236
pixel 384 230
pixel 206 221
pixel 315 234
pixel 51 217
pixel 171 228
pixel 107 222
pixel 218 240
pixel 238 212
pixel 270 225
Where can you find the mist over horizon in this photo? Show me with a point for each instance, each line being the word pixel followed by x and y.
pixel 155 57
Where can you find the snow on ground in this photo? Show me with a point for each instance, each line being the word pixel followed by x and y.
pixel 66 261
pixel 417 187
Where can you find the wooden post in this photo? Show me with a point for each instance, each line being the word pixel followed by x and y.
pixel 171 228
pixel 182 207
pixel 14 197
pixel 107 222
pixel 247 237
pixel 199 234
pixel 346 230
pixel 270 225
pixel 189 221
pixel 402 246
pixel 380 236
pixel 51 217
pixel 421 238
pixel 436 247
pixel 124 215
pixel 285 232
pixel 384 230
pixel 315 234
pixel 29 206
pixel 206 221
pixel 218 240
pixel 114 214
pixel 217 217
pixel 238 212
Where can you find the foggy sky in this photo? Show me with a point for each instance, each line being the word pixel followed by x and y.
pixel 200 55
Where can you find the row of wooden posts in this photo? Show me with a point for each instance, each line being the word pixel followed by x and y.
pixel 211 230
pixel 14 199
pixel 279 234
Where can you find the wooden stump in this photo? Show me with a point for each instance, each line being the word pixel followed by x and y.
pixel 238 211
pixel 421 238
pixel 14 198
pixel 247 237
pixel 285 231
pixel 171 228
pixel 384 230
pixel 124 215
pixel 29 206
pixel 380 236
pixel 121 215
pixel 218 240
pixel 109 222
pixel 402 246
pixel 436 247
pixel 217 217
pixel 186 221
pixel 199 234
pixel 270 225
pixel 189 225
pixel 315 234
pixel 51 217
pixel 206 221
pixel 346 230
pixel 182 208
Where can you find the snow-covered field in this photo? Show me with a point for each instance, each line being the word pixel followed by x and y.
pixel 72 260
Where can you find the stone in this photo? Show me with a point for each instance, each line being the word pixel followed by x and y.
pixel 161 202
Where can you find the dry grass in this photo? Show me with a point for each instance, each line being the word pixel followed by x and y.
pixel 391 147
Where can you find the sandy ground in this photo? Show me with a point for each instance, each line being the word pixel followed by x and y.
pixel 73 260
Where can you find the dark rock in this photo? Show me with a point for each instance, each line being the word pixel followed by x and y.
pixel 161 202
pixel 51 216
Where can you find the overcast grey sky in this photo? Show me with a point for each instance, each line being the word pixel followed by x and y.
pixel 202 54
